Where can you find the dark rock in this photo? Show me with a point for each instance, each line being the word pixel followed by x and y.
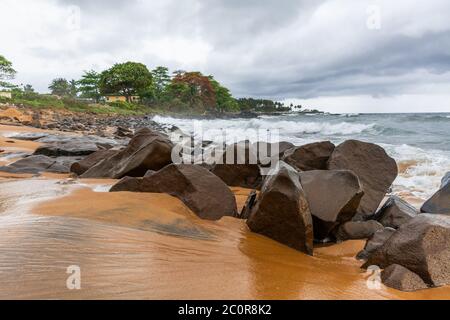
pixel 354 230
pixel 281 211
pixel 30 136
pixel 375 242
pixel 375 169
pixel 204 193
pixel 400 278
pixel 35 164
pixel 445 180
pixel 84 165
pixel 440 201
pixel 395 212
pixel 239 167
pixel 147 150
pixel 249 204
pixel 270 153
pixel 421 245
pixel 333 198
pixel 313 156
pixel 56 146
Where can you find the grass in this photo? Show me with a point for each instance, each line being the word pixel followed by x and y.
pixel 38 101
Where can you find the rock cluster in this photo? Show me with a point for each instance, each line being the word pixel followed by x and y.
pixel 313 193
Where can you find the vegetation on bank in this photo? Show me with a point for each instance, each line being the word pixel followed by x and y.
pixel 142 90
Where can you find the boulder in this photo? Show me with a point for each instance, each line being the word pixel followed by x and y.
pixel 35 164
pixel 239 167
pixel 249 204
pixel 313 156
pixel 375 169
pixel 333 198
pixel 421 245
pixel 445 180
pixel 270 153
pixel 202 192
pixel 63 145
pixel 395 212
pixel 440 201
pixel 281 211
pixel 375 242
pixel 400 278
pixel 147 150
pixel 85 164
pixel 354 230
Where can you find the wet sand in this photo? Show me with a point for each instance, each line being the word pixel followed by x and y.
pixel 151 246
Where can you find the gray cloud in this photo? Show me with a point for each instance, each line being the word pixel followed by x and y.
pixel 267 48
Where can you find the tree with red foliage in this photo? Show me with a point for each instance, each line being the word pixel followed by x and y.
pixel 194 89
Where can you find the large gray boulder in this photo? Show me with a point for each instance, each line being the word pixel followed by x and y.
pixel 239 167
pixel 400 278
pixel 376 241
pixel 281 211
pixel 440 201
pixel 36 164
pixel 355 230
pixel 201 191
pixel 395 212
pixel 64 145
pixel 333 198
pixel 147 150
pixel 91 160
pixel 421 245
pixel 375 169
pixel 313 156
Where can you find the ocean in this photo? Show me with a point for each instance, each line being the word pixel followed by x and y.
pixel 420 143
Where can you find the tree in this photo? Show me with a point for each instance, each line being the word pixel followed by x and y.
pixel 161 80
pixel 127 79
pixel 60 87
pixel 195 89
pixel 89 84
pixel 224 99
pixel 28 89
pixel 6 72
pixel 73 88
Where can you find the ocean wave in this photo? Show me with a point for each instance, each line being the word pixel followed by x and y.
pixel 421 170
pixel 288 127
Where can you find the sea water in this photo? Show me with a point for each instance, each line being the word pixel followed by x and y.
pixel 420 143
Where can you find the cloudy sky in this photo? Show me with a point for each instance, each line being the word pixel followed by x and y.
pixel 336 55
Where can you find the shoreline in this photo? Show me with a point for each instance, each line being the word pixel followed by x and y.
pixel 169 252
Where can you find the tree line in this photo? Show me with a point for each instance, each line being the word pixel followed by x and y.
pixel 177 91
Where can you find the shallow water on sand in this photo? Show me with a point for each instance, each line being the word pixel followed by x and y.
pixel 151 246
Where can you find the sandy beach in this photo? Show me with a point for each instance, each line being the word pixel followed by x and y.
pixel 151 246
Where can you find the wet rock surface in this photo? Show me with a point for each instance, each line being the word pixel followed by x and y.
pixel 354 230
pixel 333 198
pixel 395 212
pixel 204 193
pixel 421 245
pixel 36 164
pixel 312 156
pixel 147 150
pixel 374 168
pixel 400 278
pixel 282 212
pixel 440 202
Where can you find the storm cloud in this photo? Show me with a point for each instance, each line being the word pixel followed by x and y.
pixel 308 50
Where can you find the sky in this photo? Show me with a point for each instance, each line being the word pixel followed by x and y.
pixel 334 55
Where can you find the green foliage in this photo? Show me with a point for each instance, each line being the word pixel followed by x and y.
pixel 224 99
pixel 261 105
pixel 6 72
pixel 127 79
pixel 161 80
pixel 63 88
pixel 88 85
